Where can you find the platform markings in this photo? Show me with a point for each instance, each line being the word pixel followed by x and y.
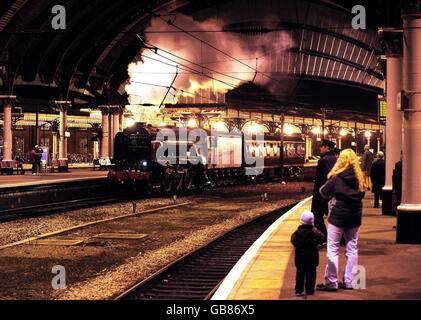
pixel 234 275
pixel 117 235
pixel 90 224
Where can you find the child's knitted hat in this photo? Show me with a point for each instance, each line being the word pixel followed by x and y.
pixel 307 217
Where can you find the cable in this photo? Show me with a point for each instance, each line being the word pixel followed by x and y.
pixel 213 47
pixel 189 61
pixel 191 69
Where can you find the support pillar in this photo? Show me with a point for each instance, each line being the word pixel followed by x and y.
pixel 104 139
pixel 120 121
pixel 7 132
pixel 116 126
pixel 409 212
pixel 307 147
pixel 54 149
pixel 393 127
pixel 62 154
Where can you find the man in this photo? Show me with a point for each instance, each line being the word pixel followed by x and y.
pixel 36 155
pixel 397 181
pixel 324 165
pixel 366 162
pixel 377 175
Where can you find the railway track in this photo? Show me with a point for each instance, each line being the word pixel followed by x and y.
pixel 54 207
pixel 197 275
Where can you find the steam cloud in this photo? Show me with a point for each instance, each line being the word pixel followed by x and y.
pixel 156 69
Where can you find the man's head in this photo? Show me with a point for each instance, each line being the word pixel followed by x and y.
pixel 366 147
pixel 326 146
pixel 36 146
pixel 380 154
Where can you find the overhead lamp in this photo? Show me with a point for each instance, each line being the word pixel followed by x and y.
pixel 254 128
pixel 288 130
pixel 130 122
pixel 316 130
pixel 343 132
pixel 367 134
pixel 220 126
pixel 192 123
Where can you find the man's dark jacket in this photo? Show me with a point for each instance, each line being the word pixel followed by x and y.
pixel 324 165
pixel 345 205
pixel 305 239
pixel 397 180
pixel 377 175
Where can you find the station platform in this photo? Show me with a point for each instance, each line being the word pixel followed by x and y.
pixel 74 174
pixel 267 269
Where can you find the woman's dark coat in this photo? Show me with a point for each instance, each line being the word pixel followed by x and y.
pixel 305 239
pixel 345 205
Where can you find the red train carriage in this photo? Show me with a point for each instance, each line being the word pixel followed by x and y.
pixel 172 159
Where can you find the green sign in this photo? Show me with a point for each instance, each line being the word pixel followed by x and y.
pixel 382 109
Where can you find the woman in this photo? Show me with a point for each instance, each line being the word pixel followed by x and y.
pixel 344 189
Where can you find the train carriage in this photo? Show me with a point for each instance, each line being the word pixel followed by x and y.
pixel 172 159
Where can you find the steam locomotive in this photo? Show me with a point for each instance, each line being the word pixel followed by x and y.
pixel 170 159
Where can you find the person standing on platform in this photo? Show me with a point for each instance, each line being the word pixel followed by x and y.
pixel 344 190
pixel 306 240
pixel 378 177
pixel 397 181
pixel 36 155
pixel 366 163
pixel 324 165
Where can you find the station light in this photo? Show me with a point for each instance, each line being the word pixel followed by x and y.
pixel 220 126
pixel 162 124
pixel 288 130
pixel 192 123
pixel 367 134
pixel 343 132
pixel 254 127
pixel 130 122
pixel 316 130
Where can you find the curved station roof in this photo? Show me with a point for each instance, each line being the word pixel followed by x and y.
pixel 322 62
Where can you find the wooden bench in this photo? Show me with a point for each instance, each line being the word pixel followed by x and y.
pixel 59 165
pixel 8 167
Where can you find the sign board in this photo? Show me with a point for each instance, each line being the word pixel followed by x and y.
pixel 382 112
pixel 45 155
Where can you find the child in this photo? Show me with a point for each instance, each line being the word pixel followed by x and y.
pixel 306 239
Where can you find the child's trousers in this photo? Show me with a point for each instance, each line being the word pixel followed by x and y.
pixel 307 276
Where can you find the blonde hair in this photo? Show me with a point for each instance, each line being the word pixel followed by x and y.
pixel 348 158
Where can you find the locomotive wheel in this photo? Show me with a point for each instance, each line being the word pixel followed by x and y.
pixel 212 179
pixel 188 181
pixel 148 189
pixel 219 179
pixel 227 178
pixel 178 182
pixel 232 179
pixel 167 184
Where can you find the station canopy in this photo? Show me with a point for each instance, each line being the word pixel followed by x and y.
pixel 303 55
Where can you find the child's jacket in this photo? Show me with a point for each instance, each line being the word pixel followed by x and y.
pixel 305 239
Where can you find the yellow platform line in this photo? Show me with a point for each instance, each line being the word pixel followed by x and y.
pixel 254 258
pixel 89 224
